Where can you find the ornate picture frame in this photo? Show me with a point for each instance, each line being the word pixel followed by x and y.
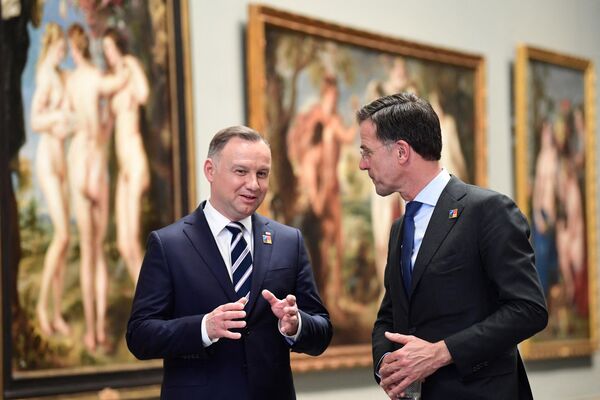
pixel 306 79
pixel 136 79
pixel 556 189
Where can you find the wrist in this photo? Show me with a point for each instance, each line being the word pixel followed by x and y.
pixel 442 354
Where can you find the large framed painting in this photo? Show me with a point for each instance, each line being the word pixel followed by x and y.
pixel 306 80
pixel 555 188
pixel 102 157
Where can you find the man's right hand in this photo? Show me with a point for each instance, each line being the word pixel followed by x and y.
pixel 225 317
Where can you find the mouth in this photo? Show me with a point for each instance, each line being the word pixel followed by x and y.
pixel 248 198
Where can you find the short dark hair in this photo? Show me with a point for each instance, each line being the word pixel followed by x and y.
pixel 222 137
pixel 404 116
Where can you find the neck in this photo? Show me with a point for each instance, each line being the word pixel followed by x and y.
pixel 422 174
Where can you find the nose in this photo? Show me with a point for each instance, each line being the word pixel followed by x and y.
pixel 363 164
pixel 252 182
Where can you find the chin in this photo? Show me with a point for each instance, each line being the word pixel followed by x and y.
pixel 383 191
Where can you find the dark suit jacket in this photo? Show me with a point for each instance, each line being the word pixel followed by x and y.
pixel 183 277
pixel 475 287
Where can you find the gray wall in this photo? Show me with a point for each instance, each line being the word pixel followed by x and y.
pixel 490 28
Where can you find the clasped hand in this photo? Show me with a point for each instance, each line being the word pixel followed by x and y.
pixel 416 360
pixel 230 316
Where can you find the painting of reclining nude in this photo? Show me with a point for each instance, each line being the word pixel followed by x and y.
pixel 100 168
pixel 555 185
pixel 306 84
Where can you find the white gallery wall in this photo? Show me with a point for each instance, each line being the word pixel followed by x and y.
pixel 486 27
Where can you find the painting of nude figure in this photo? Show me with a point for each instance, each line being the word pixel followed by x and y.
pixel 555 187
pixel 306 84
pixel 103 163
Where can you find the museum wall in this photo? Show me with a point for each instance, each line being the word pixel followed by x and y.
pixel 490 28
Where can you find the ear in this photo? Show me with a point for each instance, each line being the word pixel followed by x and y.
pixel 209 169
pixel 403 150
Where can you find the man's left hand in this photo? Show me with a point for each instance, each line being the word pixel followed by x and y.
pixel 415 361
pixel 285 310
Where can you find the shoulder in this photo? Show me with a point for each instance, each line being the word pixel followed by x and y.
pixel 473 194
pixel 133 63
pixel 175 229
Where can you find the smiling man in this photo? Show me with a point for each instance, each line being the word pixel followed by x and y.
pixel 224 294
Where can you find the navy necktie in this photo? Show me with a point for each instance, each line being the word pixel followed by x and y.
pixel 408 240
pixel 241 260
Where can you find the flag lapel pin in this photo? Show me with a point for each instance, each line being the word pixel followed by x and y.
pixel 453 213
pixel 267 238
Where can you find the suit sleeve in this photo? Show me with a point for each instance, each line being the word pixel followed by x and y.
pixel 316 331
pixel 384 321
pixel 508 260
pixel 152 332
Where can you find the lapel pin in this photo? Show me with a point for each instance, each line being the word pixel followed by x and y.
pixel 453 213
pixel 267 238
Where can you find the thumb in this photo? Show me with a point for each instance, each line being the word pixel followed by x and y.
pixel 397 338
pixel 270 297
pixel 243 300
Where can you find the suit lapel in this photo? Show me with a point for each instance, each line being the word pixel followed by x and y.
pixel 439 226
pixel 198 232
pixel 261 257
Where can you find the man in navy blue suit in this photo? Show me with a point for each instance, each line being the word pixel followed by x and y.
pixel 461 288
pixel 224 294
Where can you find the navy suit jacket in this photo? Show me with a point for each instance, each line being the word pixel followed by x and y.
pixel 475 287
pixel 183 277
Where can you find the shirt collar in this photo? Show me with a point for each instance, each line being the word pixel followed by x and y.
pixel 433 190
pixel 217 221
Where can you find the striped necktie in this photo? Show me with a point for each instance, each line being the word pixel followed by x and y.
pixel 241 260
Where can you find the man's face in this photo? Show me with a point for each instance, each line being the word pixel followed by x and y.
pixel 378 159
pixel 239 177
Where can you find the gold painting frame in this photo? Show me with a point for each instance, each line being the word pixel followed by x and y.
pixel 563 142
pixel 264 22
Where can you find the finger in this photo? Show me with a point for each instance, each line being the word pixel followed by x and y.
pixel 231 335
pixel 270 297
pixel 290 311
pixel 230 315
pixel 243 300
pixel 291 299
pixel 234 325
pixel 400 387
pixel 237 306
pixel 397 338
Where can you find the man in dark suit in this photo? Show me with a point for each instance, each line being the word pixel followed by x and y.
pixel 461 289
pixel 224 294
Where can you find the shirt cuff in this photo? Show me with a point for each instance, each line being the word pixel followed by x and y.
pixel 205 339
pixel 377 374
pixel 291 339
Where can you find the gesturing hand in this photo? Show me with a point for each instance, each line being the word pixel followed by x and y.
pixel 225 317
pixel 285 310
